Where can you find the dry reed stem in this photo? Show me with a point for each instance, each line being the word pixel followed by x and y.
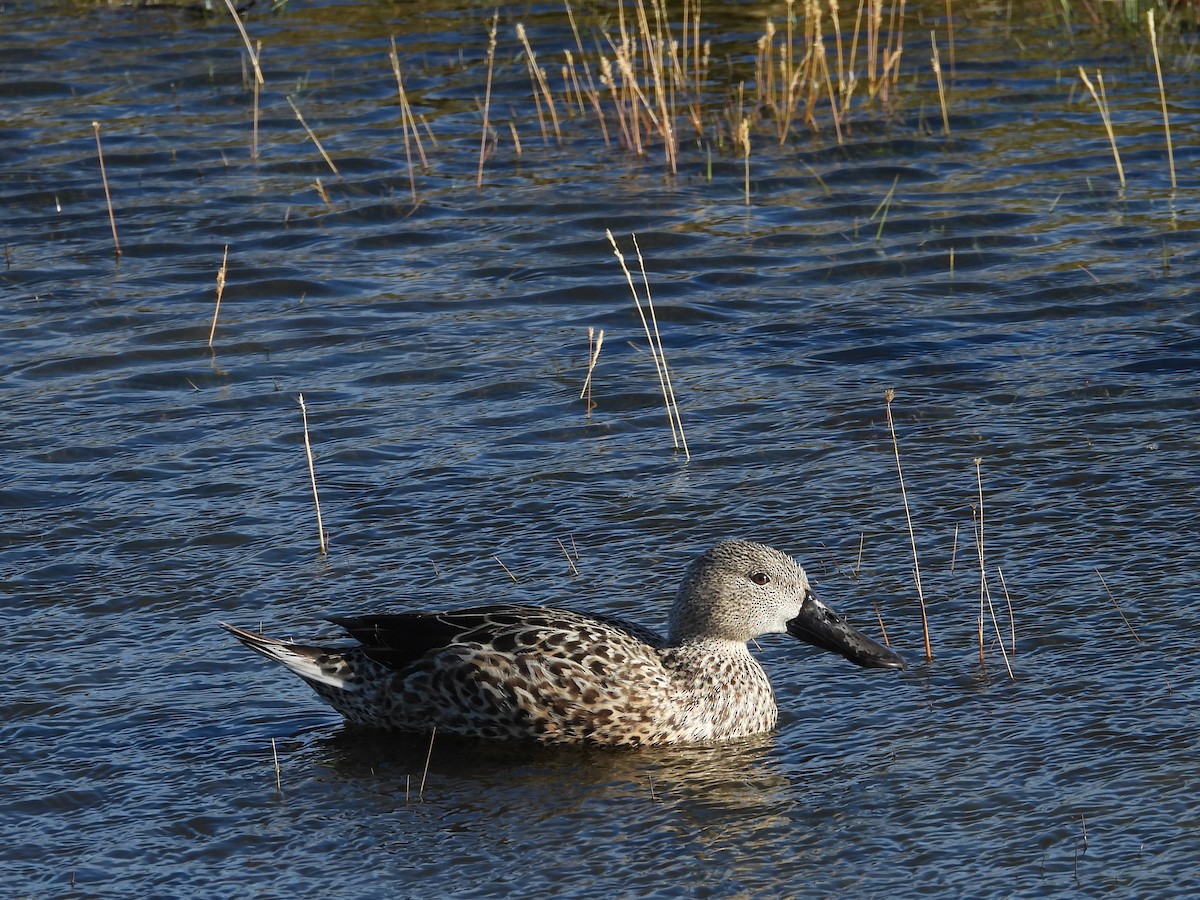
pixel 882 628
pixel 862 538
pixel 1162 95
pixel 744 142
pixel 257 94
pixel 505 568
pixel 954 549
pixel 672 404
pixel 313 138
pixel 1012 622
pixel 312 476
pixel 487 97
pixel 595 342
pixel 221 272
pixel 936 61
pixel 258 75
pixel 112 219
pixel 278 771
pixel 889 396
pixel 656 349
pixel 984 592
pixel 567 554
pixel 425 772
pixel 408 123
pixel 1118 606
pixel 1102 104
pixel 539 81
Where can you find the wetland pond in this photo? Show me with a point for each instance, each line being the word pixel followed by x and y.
pixel 1037 320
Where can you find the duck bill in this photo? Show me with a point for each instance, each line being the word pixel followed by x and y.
pixel 820 626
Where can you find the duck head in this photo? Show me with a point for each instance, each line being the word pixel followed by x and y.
pixel 738 590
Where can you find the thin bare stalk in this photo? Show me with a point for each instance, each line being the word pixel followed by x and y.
pixel 278 771
pixel 936 61
pixel 425 772
pixel 312 476
pixel 567 554
pixel 984 593
pixel 112 219
pixel 507 571
pixel 221 272
pixel 1118 606
pixel 889 396
pixel 539 78
pixel 595 342
pixel 256 92
pixel 258 75
pixel 655 349
pixel 1102 104
pixel 1012 622
pixel 313 137
pixel 487 97
pixel 744 143
pixel 1162 94
pixel 672 404
pixel 408 122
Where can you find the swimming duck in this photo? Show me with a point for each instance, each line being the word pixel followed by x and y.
pixel 556 676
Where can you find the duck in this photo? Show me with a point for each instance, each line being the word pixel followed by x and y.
pixel 557 676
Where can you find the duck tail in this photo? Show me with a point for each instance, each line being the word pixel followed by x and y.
pixel 316 665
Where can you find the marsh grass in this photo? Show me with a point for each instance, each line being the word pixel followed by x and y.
pixel 595 342
pixel 408 124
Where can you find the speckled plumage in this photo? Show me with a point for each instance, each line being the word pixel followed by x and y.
pixel 556 676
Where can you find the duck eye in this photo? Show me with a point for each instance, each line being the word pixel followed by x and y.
pixel 760 578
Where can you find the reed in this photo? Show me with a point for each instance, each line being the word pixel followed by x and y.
pixel 221 272
pixel 254 52
pixel 595 342
pixel 1012 622
pixel 984 591
pixel 312 137
pixel 567 554
pixel 541 88
pixel 1101 99
pixel 1162 94
pixel 889 396
pixel 1120 612
pixel 936 61
pixel 278 771
pixel 487 99
pixel 408 124
pixel 312 476
pixel 425 771
pixel 884 207
pixel 655 342
pixel 112 219
pixel 744 141
pixel 507 571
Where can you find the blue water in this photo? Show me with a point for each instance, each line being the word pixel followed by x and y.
pixel 1028 312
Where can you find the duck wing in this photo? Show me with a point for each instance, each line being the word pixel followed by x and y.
pixel 397 640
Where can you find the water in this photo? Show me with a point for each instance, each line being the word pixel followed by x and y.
pixel 152 487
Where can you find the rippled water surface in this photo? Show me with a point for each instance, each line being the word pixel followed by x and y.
pixel 1029 313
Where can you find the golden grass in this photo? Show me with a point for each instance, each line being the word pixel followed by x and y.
pixel 595 342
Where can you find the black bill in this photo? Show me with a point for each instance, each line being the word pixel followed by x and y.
pixel 820 626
